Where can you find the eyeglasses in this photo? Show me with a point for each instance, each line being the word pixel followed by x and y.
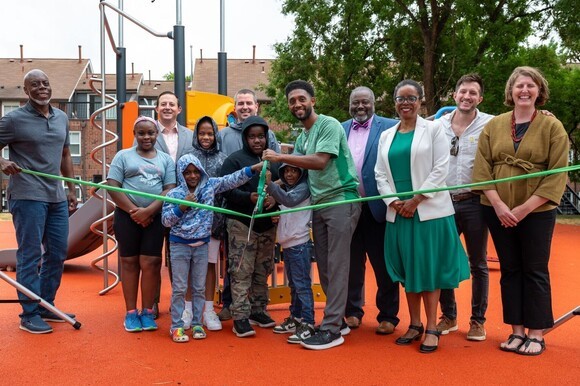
pixel 454 146
pixel 410 99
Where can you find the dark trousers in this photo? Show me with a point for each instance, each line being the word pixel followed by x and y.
pixel 369 239
pixel 524 252
pixel 469 221
pixel 226 289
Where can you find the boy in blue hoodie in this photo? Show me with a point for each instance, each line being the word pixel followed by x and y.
pixel 189 236
pixel 293 235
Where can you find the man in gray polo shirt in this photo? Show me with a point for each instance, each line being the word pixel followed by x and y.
pixel 37 136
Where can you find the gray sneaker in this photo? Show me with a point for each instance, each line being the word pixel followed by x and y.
pixel 224 314
pixel 288 326
pixel 303 331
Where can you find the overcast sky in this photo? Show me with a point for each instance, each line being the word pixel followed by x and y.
pixel 55 29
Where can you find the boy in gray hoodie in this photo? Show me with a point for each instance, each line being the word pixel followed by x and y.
pixel 293 235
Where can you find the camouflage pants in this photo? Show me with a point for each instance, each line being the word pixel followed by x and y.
pixel 249 281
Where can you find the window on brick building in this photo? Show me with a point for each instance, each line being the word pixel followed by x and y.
pixel 75 143
pixel 8 106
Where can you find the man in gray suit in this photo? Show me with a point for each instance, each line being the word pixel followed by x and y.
pixel 363 132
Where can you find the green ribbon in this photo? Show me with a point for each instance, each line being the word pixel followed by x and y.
pixel 261 188
pixel 136 193
pixel 310 207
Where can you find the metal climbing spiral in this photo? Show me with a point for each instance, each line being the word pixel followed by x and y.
pixel 101 226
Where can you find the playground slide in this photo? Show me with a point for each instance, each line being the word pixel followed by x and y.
pixel 80 239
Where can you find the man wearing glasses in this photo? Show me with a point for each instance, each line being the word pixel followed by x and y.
pixel 463 127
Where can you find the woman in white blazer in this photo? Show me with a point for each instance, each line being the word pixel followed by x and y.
pixel 422 247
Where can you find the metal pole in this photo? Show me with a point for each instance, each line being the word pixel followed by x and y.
pixel 179 63
pixel 121 91
pixel 104 150
pixel 121 78
pixel 222 55
pixel 191 61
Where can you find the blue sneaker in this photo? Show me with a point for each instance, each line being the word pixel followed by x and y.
pixel 148 320
pixel 35 325
pixel 133 322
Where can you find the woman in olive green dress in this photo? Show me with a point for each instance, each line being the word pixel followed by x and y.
pixel 422 247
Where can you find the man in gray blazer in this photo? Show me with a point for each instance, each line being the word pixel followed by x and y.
pixel 363 132
pixel 174 139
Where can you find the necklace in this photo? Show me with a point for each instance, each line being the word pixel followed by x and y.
pixel 514 136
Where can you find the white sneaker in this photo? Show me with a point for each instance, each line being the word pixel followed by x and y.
pixel 187 317
pixel 212 321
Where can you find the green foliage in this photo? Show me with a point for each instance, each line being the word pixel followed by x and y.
pixel 171 76
pixel 340 44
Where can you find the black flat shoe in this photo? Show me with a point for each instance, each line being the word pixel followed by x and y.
pixel 429 349
pixel 407 341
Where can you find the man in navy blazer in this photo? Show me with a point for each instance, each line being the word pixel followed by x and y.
pixel 363 132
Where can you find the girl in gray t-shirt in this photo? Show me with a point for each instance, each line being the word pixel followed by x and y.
pixel 137 222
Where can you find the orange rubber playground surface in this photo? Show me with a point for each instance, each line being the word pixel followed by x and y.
pixel 102 353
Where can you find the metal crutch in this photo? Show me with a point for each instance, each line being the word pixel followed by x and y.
pixel 34 298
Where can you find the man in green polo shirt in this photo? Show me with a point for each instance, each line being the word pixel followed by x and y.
pixel 332 177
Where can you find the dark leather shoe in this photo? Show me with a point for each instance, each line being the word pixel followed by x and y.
pixel 385 328
pixel 353 322
pixel 49 316
pixel 406 341
pixel 35 325
pixel 429 349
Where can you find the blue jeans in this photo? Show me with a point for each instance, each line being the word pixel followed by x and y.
pixel 188 265
pixel 42 236
pixel 298 266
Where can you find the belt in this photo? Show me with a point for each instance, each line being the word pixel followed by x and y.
pixel 455 197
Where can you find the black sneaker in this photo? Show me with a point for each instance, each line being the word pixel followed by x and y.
pixel 49 316
pixel 242 328
pixel 262 319
pixel 288 326
pixel 303 332
pixel 324 339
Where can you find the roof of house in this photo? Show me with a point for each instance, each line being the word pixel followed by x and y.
pixel 132 82
pixel 152 88
pixel 65 75
pixel 242 73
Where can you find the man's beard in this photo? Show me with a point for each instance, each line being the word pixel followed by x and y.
pixel 41 103
pixel 307 114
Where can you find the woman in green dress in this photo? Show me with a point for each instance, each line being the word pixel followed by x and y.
pixel 422 247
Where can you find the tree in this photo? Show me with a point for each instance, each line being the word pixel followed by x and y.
pixel 171 76
pixel 340 44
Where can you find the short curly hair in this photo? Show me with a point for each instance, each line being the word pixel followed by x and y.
pixel 299 84
pixel 537 77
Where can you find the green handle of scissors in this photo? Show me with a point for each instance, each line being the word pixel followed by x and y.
pixel 261 186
